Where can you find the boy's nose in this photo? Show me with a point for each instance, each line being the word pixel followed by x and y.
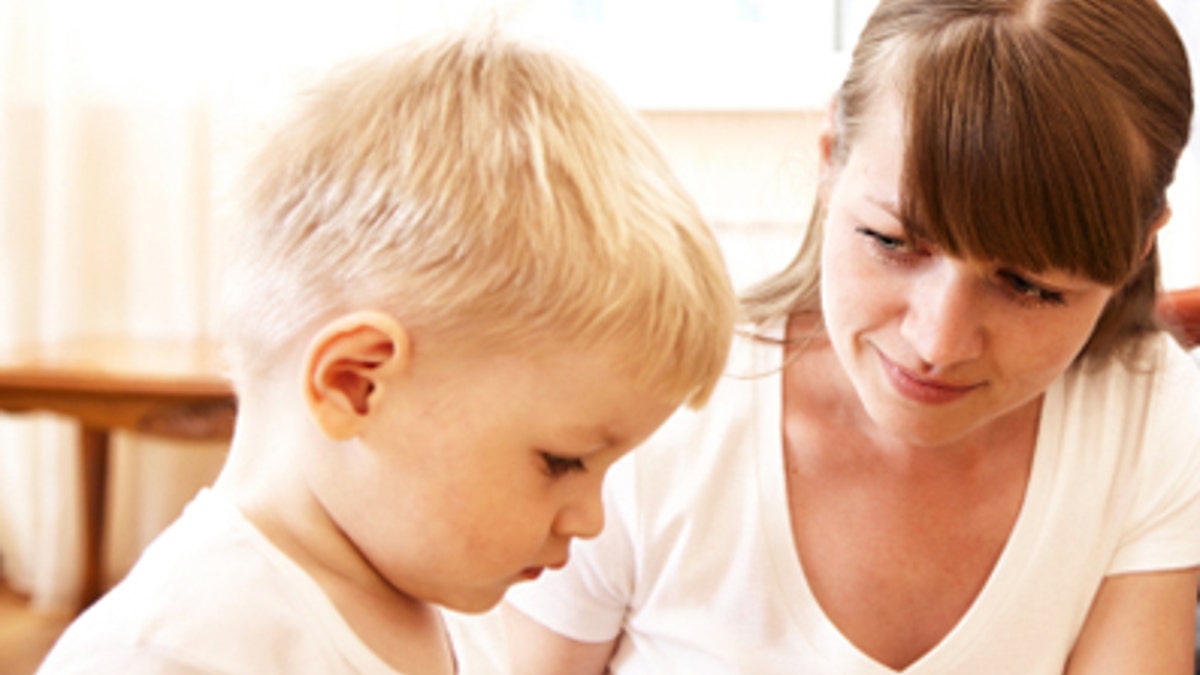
pixel 943 323
pixel 582 517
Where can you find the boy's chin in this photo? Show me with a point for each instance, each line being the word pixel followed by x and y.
pixel 477 601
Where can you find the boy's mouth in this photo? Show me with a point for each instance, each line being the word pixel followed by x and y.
pixel 532 573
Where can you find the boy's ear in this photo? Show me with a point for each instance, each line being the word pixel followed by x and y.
pixel 346 367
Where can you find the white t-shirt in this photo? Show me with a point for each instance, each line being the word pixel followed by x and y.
pixel 697 572
pixel 212 595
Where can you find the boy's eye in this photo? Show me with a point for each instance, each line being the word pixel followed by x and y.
pixel 560 466
pixel 1028 291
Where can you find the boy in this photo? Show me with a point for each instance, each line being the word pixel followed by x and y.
pixel 470 283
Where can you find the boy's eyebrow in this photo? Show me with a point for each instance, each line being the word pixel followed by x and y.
pixel 604 436
pixel 606 442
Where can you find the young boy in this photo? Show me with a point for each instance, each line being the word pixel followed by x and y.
pixel 470 284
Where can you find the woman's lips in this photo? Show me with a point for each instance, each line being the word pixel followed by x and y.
pixel 922 390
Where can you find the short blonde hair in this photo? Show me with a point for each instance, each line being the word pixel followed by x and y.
pixel 1040 133
pixel 480 188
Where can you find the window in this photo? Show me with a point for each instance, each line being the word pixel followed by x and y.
pixel 704 54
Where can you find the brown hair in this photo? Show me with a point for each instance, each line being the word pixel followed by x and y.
pixel 1041 134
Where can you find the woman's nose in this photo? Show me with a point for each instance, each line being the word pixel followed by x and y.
pixel 944 321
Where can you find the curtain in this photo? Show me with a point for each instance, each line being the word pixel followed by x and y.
pixel 107 150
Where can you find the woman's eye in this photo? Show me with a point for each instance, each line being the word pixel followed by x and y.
pixel 1028 291
pixel 885 242
pixel 560 466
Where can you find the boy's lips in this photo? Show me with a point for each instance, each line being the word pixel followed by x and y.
pixel 532 573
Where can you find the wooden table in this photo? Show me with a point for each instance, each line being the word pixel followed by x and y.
pixel 166 388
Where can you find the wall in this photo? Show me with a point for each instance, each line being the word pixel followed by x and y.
pixel 753 175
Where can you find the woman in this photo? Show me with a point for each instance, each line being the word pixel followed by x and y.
pixel 959 442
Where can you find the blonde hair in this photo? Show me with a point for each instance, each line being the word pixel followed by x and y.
pixel 487 190
pixel 1041 134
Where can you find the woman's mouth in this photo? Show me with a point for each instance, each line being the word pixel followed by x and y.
pixel 923 390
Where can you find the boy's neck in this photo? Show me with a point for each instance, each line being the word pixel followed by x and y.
pixel 264 477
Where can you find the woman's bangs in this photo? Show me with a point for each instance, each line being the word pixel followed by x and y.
pixel 1005 164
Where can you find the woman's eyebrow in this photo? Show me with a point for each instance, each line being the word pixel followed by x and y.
pixel 886 204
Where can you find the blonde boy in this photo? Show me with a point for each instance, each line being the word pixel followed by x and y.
pixel 470 284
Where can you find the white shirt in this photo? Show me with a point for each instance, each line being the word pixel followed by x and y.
pixel 697 572
pixel 212 595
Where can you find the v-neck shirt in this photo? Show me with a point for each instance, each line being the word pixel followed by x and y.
pixel 697 570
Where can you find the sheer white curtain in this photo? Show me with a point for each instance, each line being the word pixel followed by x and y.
pixel 106 157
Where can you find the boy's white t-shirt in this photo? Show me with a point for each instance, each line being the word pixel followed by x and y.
pixel 212 595
pixel 696 571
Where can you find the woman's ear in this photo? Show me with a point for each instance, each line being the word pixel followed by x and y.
pixel 346 368
pixel 1159 223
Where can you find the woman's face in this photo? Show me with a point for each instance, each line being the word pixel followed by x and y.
pixel 936 347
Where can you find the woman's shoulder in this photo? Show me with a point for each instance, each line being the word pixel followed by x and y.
pixel 1158 369
pixel 1143 408
pixel 745 388
pixel 728 429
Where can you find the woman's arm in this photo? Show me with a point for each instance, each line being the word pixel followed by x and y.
pixel 537 650
pixel 1140 623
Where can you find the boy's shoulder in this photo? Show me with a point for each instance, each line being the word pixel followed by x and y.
pixel 211 594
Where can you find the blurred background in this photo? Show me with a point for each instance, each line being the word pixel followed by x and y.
pixel 124 123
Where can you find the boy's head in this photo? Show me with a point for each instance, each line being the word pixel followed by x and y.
pixel 491 287
pixel 483 193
